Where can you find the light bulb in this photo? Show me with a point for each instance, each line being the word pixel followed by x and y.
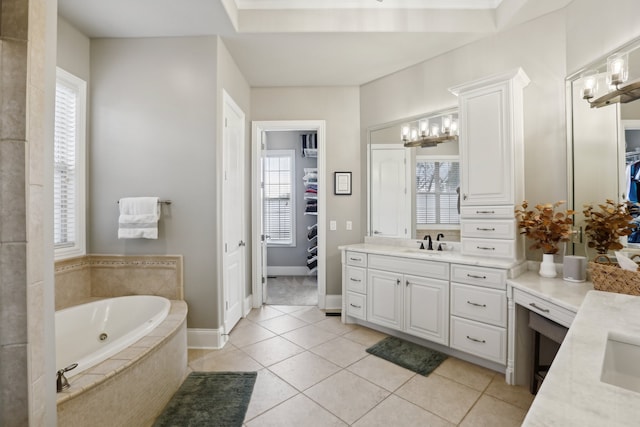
pixel 424 128
pixel 617 68
pixel 404 132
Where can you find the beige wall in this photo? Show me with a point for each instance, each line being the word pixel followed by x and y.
pixel 340 108
pixel 595 28
pixel 73 51
pixel 538 47
pixel 154 133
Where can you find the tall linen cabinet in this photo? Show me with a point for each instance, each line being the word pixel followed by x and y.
pixel 491 164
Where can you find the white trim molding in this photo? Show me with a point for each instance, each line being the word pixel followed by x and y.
pixel 213 339
pixel 333 302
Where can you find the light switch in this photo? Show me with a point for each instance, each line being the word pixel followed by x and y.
pixel 333 226
pixel 349 225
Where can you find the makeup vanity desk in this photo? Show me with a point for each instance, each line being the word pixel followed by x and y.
pixel 593 379
pixel 555 299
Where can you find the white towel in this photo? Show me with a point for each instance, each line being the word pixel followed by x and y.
pixel 138 218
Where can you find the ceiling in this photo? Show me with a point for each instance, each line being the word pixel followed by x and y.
pixel 311 42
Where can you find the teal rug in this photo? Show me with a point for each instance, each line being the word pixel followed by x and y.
pixel 217 399
pixel 408 355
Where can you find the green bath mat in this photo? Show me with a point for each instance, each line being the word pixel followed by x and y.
pixel 408 355
pixel 217 399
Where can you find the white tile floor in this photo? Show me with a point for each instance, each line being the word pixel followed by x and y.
pixel 313 371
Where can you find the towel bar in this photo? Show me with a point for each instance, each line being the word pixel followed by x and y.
pixel 162 202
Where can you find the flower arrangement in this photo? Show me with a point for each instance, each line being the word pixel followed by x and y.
pixel 604 227
pixel 544 225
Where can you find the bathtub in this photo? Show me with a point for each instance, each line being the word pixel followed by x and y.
pixel 132 387
pixel 90 333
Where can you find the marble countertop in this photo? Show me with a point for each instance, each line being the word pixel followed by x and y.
pixel 444 256
pixel 572 393
pixel 569 295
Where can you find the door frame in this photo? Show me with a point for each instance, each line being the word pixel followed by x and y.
pixel 228 103
pixel 257 146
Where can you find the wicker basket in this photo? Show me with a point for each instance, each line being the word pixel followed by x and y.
pixel 611 278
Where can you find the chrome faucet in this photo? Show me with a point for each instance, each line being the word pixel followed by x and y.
pixel 61 382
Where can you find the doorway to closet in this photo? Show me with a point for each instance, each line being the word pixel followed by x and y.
pixel 288 211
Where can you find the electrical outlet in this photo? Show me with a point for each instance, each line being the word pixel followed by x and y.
pixel 333 226
pixel 349 225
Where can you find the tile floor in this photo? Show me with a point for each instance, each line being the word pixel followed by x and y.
pixel 313 371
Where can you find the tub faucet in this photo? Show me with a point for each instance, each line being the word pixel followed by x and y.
pixel 61 382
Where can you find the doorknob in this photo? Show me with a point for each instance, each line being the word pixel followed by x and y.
pixel 242 243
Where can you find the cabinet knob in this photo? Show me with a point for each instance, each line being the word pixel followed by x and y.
pixel 397 281
pixel 464 196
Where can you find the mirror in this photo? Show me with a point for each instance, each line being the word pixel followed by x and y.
pixel 411 192
pixel 603 143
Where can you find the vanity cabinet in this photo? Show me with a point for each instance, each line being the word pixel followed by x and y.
pixel 355 284
pixel 403 294
pixel 459 305
pixel 491 164
pixel 479 311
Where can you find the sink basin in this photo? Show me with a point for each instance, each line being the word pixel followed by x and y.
pixel 621 365
pixel 422 252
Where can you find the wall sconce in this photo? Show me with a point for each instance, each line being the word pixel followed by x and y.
pixel 617 75
pixel 427 133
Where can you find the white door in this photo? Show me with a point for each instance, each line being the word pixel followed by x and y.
pixel 233 212
pixel 263 236
pixel 390 201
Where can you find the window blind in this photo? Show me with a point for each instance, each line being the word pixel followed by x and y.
pixel 436 195
pixel 64 182
pixel 278 210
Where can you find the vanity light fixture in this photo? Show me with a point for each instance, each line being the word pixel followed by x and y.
pixel 427 133
pixel 617 75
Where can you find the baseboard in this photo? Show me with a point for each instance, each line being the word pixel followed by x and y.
pixel 287 271
pixel 332 302
pixel 248 305
pixel 205 338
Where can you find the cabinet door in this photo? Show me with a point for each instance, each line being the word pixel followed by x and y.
pixel 486 156
pixel 426 305
pixel 390 203
pixel 384 298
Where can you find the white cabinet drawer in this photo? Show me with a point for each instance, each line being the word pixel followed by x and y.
pixel 356 279
pixel 492 229
pixel 357 259
pixel 416 267
pixel 489 248
pixel 481 304
pixel 356 305
pixel 483 276
pixel 491 212
pixel 482 340
pixel 544 308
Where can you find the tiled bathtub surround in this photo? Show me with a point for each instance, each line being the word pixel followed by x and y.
pixel 132 387
pixel 102 276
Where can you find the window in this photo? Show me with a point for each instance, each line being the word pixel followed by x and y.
pixel 69 166
pixel 437 183
pixel 279 209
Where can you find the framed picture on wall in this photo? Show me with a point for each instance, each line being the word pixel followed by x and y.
pixel 342 183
